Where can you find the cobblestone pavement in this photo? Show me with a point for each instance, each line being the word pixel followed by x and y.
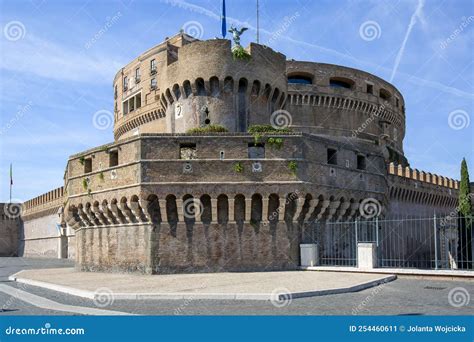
pixel 404 296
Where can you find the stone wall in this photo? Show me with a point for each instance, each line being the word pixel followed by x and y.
pixel 419 193
pixel 10 223
pixel 44 233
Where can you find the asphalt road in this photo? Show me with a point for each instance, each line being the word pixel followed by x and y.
pixel 404 296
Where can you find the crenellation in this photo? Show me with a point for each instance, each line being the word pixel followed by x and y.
pixel 421 176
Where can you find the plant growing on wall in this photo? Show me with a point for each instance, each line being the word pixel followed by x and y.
pixel 275 142
pixel 207 129
pixel 82 160
pixel 101 176
pixel 85 183
pixel 267 129
pixel 239 53
pixel 293 166
pixel 256 138
pixel 259 131
pixel 238 167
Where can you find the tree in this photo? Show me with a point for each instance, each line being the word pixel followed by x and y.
pixel 465 219
pixel 465 207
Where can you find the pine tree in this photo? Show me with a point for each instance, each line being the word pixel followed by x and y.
pixel 465 251
pixel 465 208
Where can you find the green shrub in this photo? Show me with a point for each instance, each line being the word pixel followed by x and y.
pixel 238 167
pixel 101 176
pixel 82 160
pixel 266 129
pixel 207 129
pixel 293 166
pixel 239 53
pixel 85 184
pixel 275 142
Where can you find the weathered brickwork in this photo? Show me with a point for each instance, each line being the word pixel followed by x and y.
pixel 161 200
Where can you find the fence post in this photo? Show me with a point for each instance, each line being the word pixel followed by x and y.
pixel 377 231
pixel 435 241
pixel 356 244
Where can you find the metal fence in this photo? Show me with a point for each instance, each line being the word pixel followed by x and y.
pixel 411 242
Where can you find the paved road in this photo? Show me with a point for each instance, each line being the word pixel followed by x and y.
pixel 405 296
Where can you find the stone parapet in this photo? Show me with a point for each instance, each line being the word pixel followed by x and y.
pixel 422 176
pixel 46 202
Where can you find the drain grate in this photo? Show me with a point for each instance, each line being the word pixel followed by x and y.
pixel 434 288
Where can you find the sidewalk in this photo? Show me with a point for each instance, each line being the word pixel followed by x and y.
pixel 233 286
pixel 453 274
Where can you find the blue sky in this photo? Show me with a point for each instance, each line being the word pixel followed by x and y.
pixel 58 59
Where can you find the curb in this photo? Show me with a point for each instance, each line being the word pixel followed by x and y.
pixel 401 272
pixel 196 296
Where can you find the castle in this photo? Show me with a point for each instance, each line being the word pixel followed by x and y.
pixel 167 197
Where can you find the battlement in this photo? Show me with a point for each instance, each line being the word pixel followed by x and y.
pixel 422 176
pixel 49 200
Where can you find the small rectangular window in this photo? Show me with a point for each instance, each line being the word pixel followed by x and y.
pixel 125 83
pixel 113 158
pixel 187 151
pixel 332 156
pixel 256 151
pixel 153 83
pixel 87 165
pixel 137 75
pixel 125 108
pixel 361 164
pixel 397 102
pixel 138 100
pixel 370 89
pixel 152 66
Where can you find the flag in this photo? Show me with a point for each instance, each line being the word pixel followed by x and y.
pixel 11 174
pixel 224 25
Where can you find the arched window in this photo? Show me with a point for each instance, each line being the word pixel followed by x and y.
pixel 187 88
pixel 176 91
pixel 341 82
pixel 228 84
pixel 214 84
pixel 385 94
pixel 201 90
pixel 300 79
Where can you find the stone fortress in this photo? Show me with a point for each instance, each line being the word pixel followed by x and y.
pixel 162 198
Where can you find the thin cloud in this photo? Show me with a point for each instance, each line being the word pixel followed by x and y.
pixel 413 20
pixel 45 59
pixel 410 78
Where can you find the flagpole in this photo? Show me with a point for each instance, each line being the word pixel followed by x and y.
pixel 11 181
pixel 258 23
